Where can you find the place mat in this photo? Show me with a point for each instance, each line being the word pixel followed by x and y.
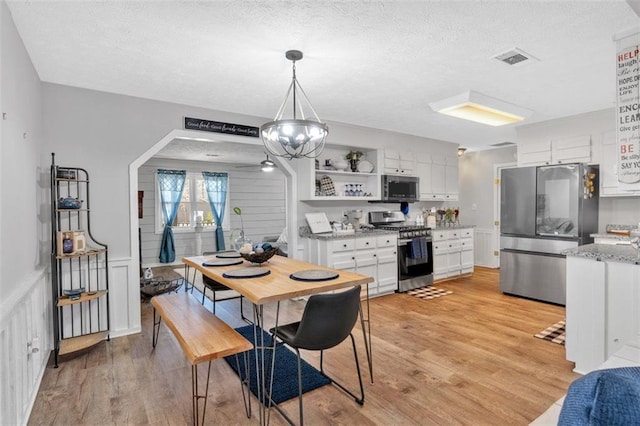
pixel 554 333
pixel 222 262
pixel 229 255
pixel 251 272
pixel 429 292
pixel 314 275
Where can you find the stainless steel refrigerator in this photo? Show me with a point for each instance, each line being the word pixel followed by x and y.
pixel 544 210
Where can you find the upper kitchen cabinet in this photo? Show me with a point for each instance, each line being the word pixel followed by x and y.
pixel 333 179
pixel 558 151
pixel 438 178
pixel 398 162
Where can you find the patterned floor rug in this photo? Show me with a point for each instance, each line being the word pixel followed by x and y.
pixel 429 292
pixel 554 334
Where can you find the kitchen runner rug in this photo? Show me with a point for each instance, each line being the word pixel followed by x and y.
pixel 429 292
pixel 285 377
pixel 554 334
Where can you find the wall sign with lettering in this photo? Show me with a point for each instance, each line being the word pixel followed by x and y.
pixel 218 127
pixel 628 116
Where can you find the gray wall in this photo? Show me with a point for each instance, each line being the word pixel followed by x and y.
pixel 25 307
pixel 261 196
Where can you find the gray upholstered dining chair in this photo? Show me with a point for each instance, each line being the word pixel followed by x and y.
pixel 327 320
pixel 215 286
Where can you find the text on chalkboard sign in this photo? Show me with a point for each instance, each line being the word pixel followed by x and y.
pixel 218 127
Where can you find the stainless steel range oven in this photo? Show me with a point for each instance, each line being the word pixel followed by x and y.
pixel 415 249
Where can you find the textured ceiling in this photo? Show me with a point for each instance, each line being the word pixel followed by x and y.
pixel 370 63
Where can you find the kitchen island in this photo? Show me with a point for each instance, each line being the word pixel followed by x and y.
pixel 603 301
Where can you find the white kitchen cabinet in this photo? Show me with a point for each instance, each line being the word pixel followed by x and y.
pixel 558 151
pixel 452 252
pixel 603 298
pixel 387 268
pixel 438 170
pixel 423 172
pixel 451 179
pixel 533 154
pixel 343 181
pixel 372 255
pixel 398 162
pixel 571 150
pixel 466 251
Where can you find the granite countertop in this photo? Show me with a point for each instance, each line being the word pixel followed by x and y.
pixel 306 233
pixel 606 252
pixel 616 237
pixel 452 226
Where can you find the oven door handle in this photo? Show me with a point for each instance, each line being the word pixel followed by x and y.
pixel 408 240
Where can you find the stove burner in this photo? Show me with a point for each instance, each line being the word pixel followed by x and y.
pixel 407 231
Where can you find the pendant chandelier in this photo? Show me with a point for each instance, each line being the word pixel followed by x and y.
pixel 300 136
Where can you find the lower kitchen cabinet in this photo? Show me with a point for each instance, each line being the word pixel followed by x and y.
pixel 452 252
pixel 603 298
pixel 373 255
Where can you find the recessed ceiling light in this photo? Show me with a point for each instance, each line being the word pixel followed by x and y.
pixel 480 108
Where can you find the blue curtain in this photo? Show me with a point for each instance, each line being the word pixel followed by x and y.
pixel 216 185
pixel 171 184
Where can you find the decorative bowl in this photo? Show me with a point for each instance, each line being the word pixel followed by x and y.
pixel 73 291
pixel 259 257
pixel 69 203
pixel 340 165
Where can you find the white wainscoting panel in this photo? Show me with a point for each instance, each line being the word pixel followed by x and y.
pixel 124 297
pixel 484 246
pixel 25 345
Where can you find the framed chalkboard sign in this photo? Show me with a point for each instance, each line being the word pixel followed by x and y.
pixel 219 127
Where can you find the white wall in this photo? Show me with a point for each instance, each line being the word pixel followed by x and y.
pixel 25 305
pixel 261 196
pixel 616 210
pixel 477 199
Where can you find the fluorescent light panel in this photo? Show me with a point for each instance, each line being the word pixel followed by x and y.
pixel 480 108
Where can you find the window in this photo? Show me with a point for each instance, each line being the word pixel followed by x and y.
pixel 194 207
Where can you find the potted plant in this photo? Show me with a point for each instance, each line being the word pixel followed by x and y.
pixel 238 239
pixel 354 157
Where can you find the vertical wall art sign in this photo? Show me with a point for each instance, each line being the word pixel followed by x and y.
pixel 628 112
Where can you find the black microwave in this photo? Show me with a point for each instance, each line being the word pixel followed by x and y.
pixel 400 188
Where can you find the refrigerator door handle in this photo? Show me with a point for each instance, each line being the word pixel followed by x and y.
pixel 534 253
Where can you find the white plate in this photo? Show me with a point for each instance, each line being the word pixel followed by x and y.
pixel 365 167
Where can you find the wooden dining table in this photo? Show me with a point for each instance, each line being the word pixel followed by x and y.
pixel 275 287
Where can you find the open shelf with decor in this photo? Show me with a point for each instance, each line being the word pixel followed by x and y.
pixel 333 177
pixel 79 265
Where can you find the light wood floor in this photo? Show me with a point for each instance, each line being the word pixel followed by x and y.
pixel 467 358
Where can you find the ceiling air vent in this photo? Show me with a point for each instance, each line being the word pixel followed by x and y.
pixel 515 57
pixel 503 144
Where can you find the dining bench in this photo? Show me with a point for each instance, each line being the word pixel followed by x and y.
pixel 203 337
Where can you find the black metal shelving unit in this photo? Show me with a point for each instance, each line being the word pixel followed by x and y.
pixel 79 265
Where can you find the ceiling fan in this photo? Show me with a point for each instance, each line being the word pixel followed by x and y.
pixel 266 165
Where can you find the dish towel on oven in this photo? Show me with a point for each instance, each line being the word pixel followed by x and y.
pixel 418 248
